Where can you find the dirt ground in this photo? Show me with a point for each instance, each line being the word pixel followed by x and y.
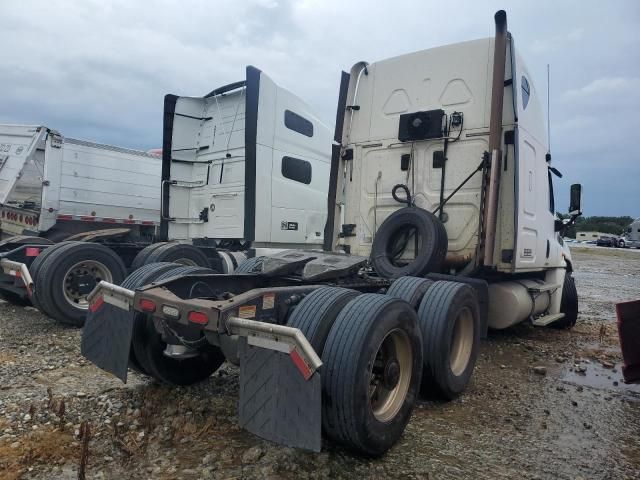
pixel 578 420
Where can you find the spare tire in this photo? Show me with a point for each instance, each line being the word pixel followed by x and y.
pixel 400 229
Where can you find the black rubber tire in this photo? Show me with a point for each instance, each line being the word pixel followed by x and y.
pixel 148 348
pixel 34 269
pixel 177 253
pixel 348 356
pixel 437 316
pixel 52 272
pixel 141 258
pixel 432 251
pixel 137 279
pixel 317 312
pixel 410 289
pixel 568 304
pixel 250 265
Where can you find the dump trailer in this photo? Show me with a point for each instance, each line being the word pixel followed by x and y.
pixel 244 172
pixel 54 187
pixel 440 225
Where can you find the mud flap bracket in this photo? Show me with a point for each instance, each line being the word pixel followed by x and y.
pixel 276 402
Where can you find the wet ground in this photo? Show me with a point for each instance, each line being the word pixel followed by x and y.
pixel 573 419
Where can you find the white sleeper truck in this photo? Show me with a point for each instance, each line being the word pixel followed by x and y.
pixel 631 238
pixel 441 224
pixel 244 171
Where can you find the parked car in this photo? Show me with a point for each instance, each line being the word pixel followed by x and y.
pixel 607 242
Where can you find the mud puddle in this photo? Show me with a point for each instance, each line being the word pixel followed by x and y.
pixel 598 377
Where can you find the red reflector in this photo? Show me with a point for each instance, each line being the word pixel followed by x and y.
pixel 148 222
pixel 300 363
pixel 65 217
pixel 32 252
pixel 147 305
pixel 109 220
pixel 128 221
pixel 97 303
pixel 87 219
pixel 198 317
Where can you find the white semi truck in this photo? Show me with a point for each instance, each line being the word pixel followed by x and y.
pixel 440 225
pixel 631 238
pixel 244 170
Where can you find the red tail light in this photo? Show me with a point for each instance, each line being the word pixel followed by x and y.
pixel 147 305
pixel 198 317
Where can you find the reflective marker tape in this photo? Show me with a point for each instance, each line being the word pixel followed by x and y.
pixel 300 364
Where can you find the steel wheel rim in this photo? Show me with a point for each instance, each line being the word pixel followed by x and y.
pixel 95 269
pixel 461 342
pixel 386 402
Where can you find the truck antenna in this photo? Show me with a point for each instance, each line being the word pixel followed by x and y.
pixel 548 113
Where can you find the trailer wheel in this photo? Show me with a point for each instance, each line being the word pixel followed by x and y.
pixel 568 304
pixel 449 317
pixel 149 347
pixel 35 268
pixel 182 253
pixel 401 229
pixel 317 312
pixel 371 373
pixel 70 273
pixel 410 289
pixel 141 258
pixel 140 277
pixel 250 265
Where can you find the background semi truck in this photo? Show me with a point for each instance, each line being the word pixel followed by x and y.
pixel 441 224
pixel 244 169
pixel 631 238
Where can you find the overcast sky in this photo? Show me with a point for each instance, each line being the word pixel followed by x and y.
pixel 99 69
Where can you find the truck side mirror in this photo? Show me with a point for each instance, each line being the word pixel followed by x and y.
pixel 575 200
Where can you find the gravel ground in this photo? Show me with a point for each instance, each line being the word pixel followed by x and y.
pixel 572 417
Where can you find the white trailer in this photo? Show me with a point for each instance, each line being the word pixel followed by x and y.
pixel 244 171
pixel 53 186
pixel 440 225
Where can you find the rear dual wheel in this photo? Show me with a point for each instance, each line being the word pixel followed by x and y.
pixel 449 318
pixel 372 361
pixel 68 273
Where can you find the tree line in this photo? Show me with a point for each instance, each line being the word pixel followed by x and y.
pixel 613 225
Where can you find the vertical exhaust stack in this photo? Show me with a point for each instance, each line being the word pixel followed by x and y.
pixel 495 136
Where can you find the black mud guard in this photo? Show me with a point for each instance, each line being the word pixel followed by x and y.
pixel 106 339
pixel 482 289
pixel 276 402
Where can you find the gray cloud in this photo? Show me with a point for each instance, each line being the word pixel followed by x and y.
pixel 99 70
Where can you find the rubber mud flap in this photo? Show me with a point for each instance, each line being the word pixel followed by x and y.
pixel 106 340
pixel 276 402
